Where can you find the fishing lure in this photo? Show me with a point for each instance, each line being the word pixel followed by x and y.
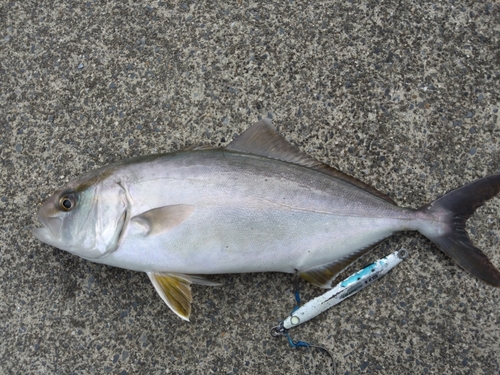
pixel 334 296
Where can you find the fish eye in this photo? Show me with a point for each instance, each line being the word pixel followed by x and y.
pixel 67 202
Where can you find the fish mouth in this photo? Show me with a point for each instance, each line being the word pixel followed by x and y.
pixel 46 233
pixel 43 234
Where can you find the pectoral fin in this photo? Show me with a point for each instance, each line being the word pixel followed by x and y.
pixel 175 290
pixel 162 219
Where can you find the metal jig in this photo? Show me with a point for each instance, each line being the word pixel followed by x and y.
pixel 334 296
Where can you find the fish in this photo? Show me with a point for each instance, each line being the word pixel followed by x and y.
pixel 257 205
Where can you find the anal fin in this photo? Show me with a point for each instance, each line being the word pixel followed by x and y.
pixel 175 290
pixel 323 275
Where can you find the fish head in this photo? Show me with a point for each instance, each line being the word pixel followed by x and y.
pixel 85 218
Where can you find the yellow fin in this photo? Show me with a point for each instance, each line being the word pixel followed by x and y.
pixel 323 275
pixel 162 219
pixel 175 290
pixel 262 139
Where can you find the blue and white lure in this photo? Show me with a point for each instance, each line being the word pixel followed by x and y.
pixel 334 296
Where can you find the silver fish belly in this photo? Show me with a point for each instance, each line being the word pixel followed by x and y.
pixel 258 205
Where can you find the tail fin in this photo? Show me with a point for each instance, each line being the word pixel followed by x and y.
pixel 455 208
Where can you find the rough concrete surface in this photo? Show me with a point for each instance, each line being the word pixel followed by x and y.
pixel 403 95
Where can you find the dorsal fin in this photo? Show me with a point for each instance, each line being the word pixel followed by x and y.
pixel 198 147
pixel 262 139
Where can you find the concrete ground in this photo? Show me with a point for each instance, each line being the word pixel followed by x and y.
pixel 403 95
